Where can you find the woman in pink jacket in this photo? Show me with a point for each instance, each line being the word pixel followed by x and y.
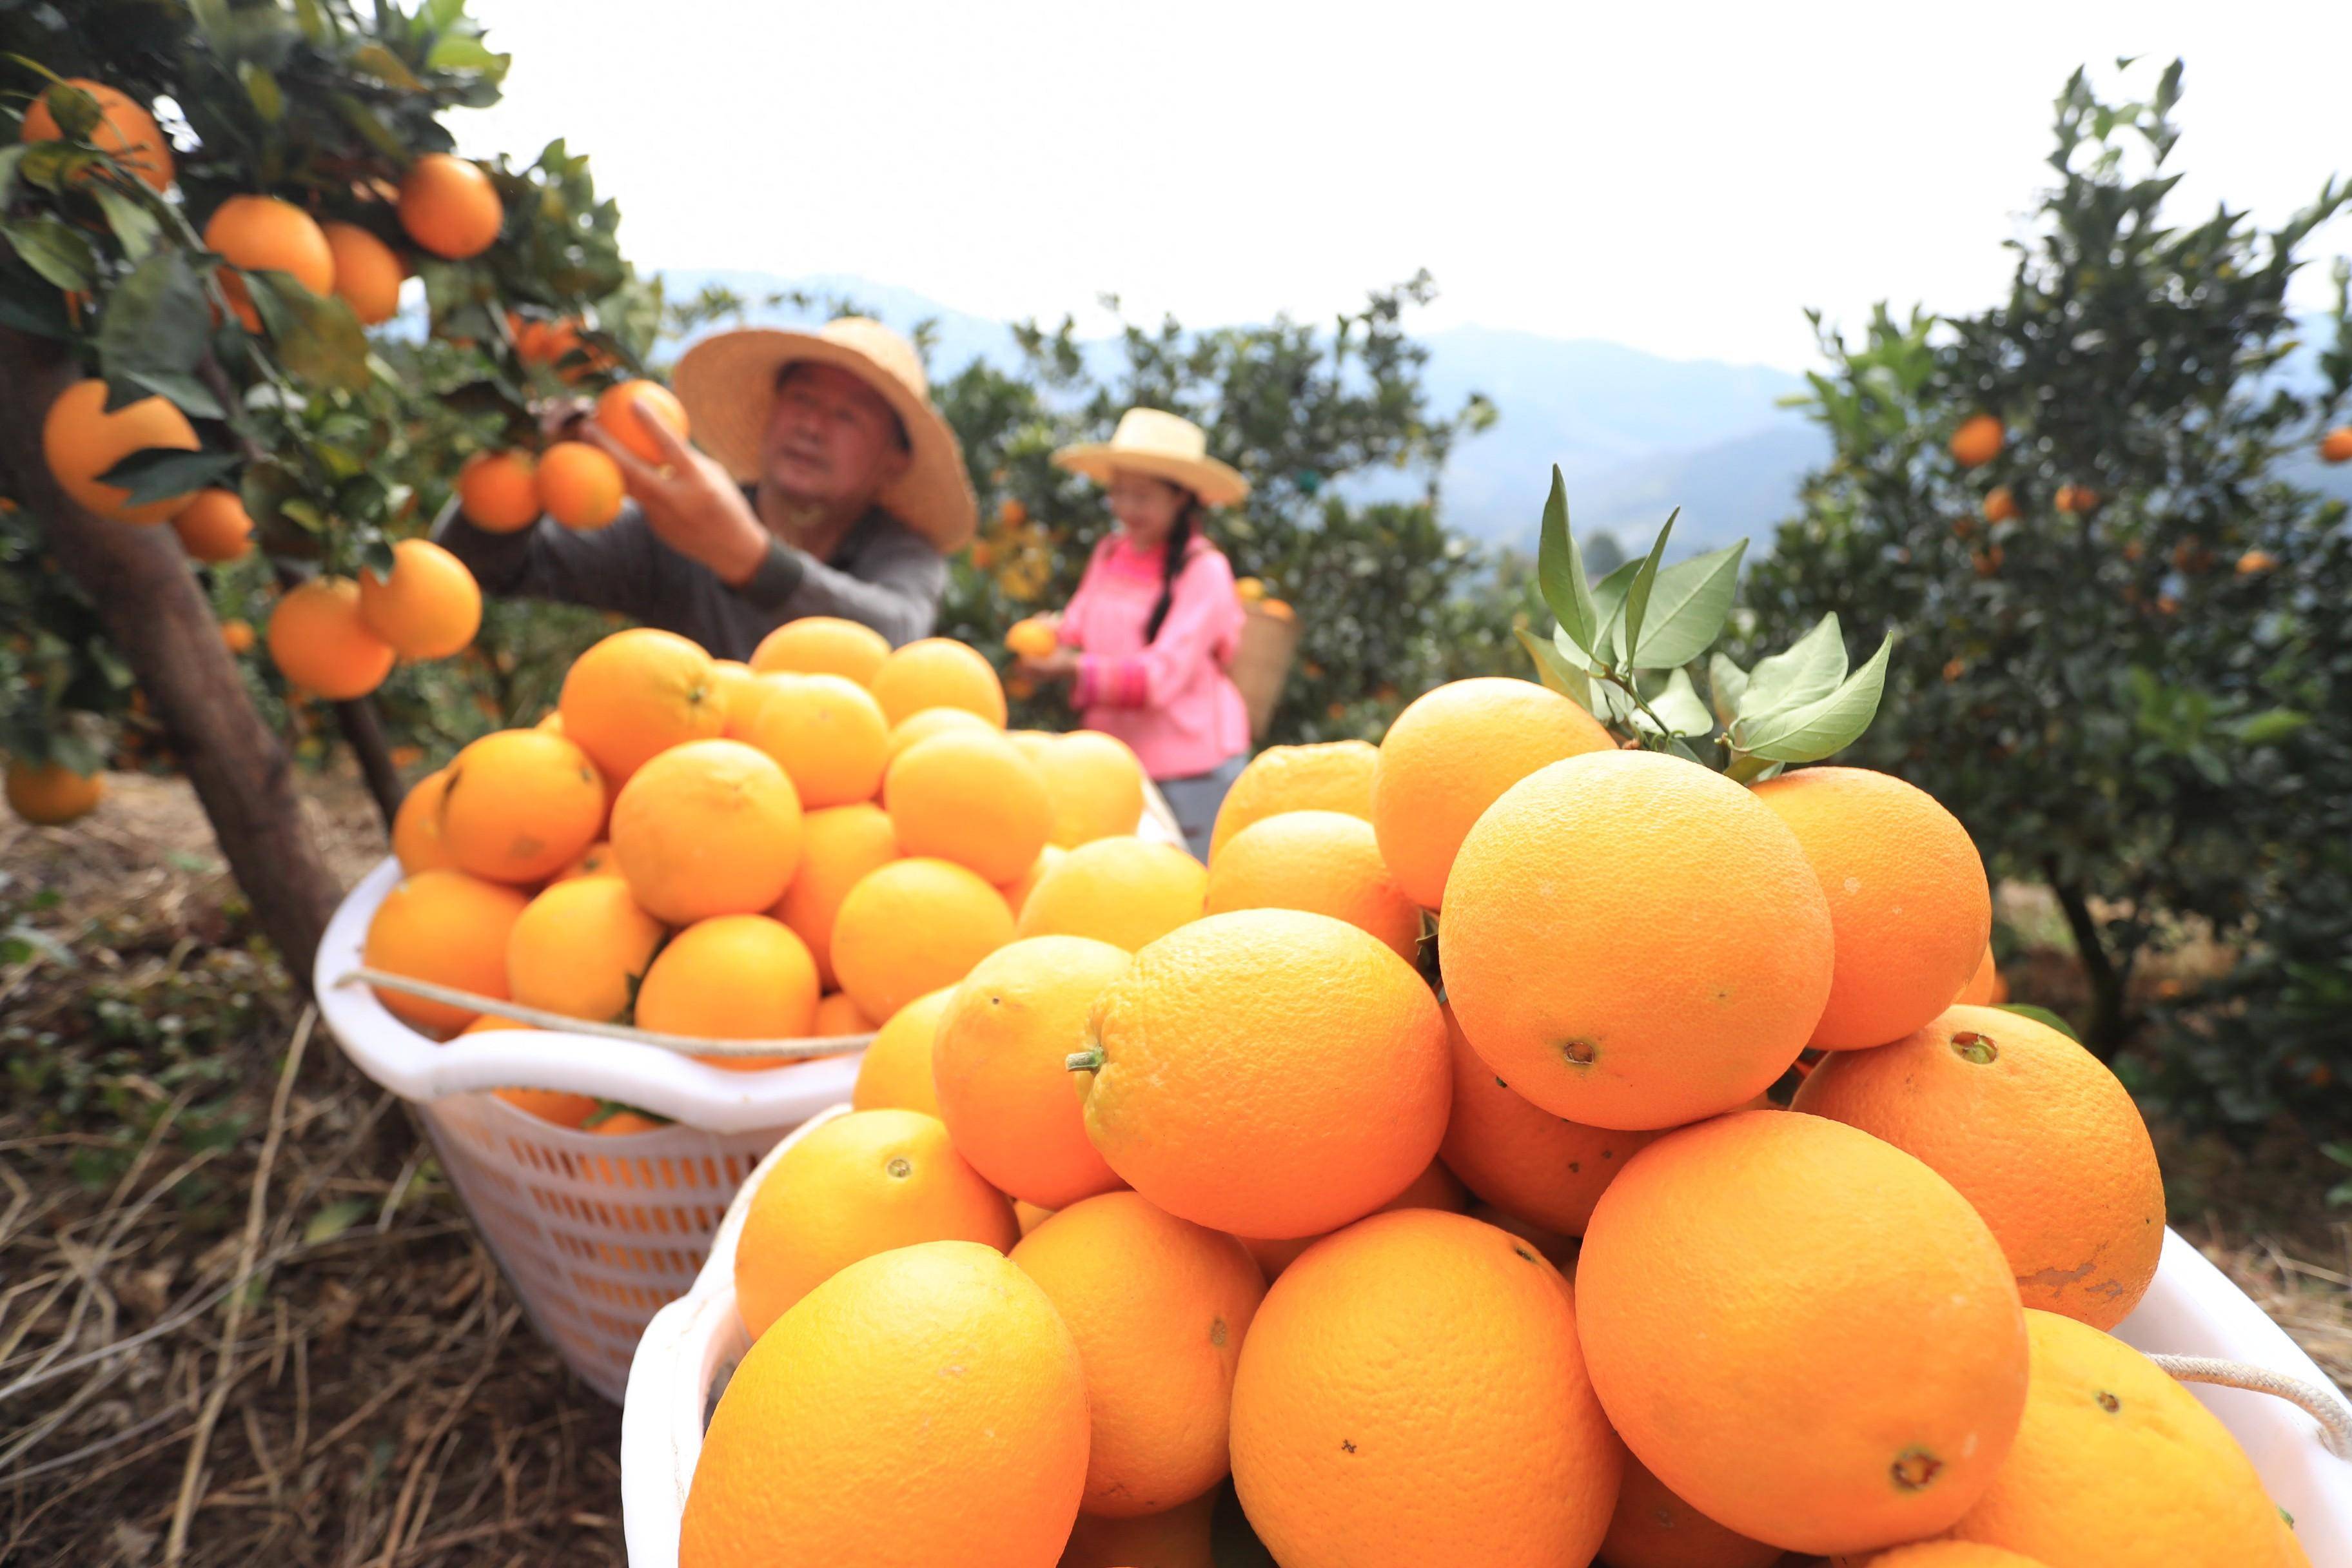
pixel 1148 634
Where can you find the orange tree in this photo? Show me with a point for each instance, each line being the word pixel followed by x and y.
pixel 1390 602
pixel 2127 667
pixel 184 311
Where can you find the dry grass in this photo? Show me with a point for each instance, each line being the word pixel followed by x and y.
pixel 242 1320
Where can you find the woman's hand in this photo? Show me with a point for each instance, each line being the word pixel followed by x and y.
pixel 1059 665
pixel 692 504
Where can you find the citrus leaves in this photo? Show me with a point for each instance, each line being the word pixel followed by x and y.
pixel 1623 645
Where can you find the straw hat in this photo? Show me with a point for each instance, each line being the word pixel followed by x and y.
pixel 728 383
pixel 1165 446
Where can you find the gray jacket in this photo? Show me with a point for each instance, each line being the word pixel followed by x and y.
pixel 884 574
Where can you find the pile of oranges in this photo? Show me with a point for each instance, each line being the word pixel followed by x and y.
pixel 573 481
pixel 788 849
pixel 1517 1148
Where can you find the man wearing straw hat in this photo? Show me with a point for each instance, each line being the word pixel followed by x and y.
pixel 827 484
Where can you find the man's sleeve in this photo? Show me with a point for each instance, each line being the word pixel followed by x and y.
pixel 609 568
pixel 899 595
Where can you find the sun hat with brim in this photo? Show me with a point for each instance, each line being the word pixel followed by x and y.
pixel 1165 446
pixel 728 384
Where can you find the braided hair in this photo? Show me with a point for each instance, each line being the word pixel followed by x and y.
pixel 1171 561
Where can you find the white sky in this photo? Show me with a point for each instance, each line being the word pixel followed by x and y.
pixel 1684 181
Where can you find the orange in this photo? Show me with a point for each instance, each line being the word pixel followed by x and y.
pixel 838 1440
pixel 214 527
pixel 861 1183
pixel 638 692
pixel 2077 498
pixel 519 806
pixel 499 491
pixel 1267 1072
pixel 710 827
pixel 1125 891
pixel 2254 563
pixel 237 636
pixel 1792 1292
pixel 823 645
pixel 1718 935
pixel 417 825
pixel 622 412
pixel 1521 1157
pixel 2000 505
pixel 967 796
pixel 1016 892
pixel 1094 781
pixel 447 928
pixel 913 926
pixel 580 484
pixel 596 860
pixel 2035 1133
pixel 1985 987
pixel 1000 1066
pixel 50 794
pixel 922 726
pixel 1978 440
pixel 367 274
pixel 125 130
pixel 1330 775
pixel 1434 1188
pixel 449 206
pixel 896 1068
pixel 1323 861
pixel 731 977
pixel 938 672
pixel 1950 1554
pixel 1908 902
pixel 1249 590
pixel 1160 1308
pixel 428 608
pixel 320 643
pixel 81 440
pixel 1178 1538
pixel 1653 1527
pixel 2118 1466
pixel 826 731
pixel 838 1016
pixel 621 1122
pixel 740 693
pixel 262 234
pixel 1412 1393
pixel 1447 758
pixel 838 844
pixel 1031 638
pixel 2335 446
pixel 581 949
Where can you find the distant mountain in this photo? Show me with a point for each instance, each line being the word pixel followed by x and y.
pixel 1634 435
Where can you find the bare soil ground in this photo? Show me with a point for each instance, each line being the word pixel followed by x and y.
pixel 243 1320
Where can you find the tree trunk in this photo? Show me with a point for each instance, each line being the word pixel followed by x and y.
pixel 2104 1034
pixel 140 581
pixel 363 733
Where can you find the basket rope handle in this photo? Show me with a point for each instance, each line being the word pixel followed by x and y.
pixel 2324 1406
pixel 681 1045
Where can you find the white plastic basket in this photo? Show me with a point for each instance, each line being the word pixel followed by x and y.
pixel 596 1233
pixel 2192 1310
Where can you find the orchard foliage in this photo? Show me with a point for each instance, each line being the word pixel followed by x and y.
pixel 2126 664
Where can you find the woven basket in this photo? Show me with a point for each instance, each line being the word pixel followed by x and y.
pixel 1261 663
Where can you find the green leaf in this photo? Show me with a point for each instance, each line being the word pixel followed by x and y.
pixel 1822 728
pixel 75 111
pixel 441 14
pixel 376 61
pixel 157 324
pixel 191 397
pixel 1637 592
pixel 1556 671
pixel 1678 707
pixel 1609 608
pixel 1725 683
pixel 1688 605
pixel 1807 670
pixel 135 227
pixel 319 341
pixel 313 19
pixel 55 250
pixel 162 473
pixel 460 51
pixel 1559 571
pixel 213 16
pixel 2041 1016
pixel 10 158
pixel 371 126
pixel 2271 726
pixel 261 86
pixel 334 1219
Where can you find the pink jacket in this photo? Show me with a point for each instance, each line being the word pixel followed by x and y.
pixel 1170 700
